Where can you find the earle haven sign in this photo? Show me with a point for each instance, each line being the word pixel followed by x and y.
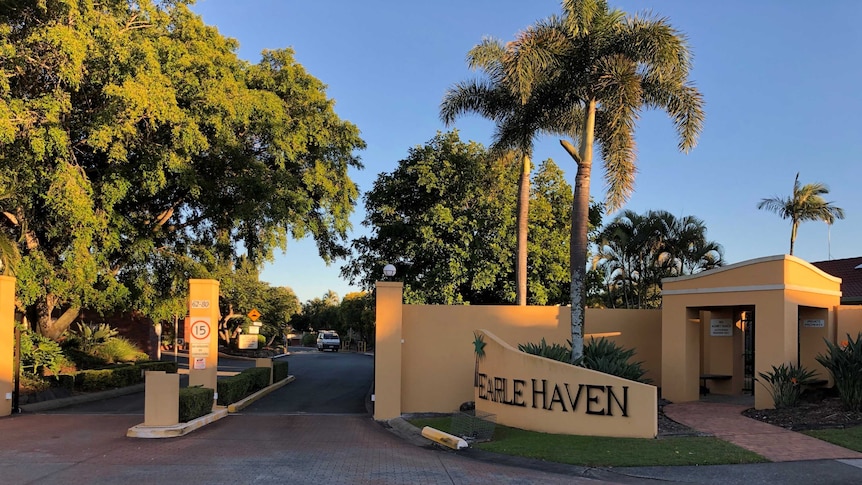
pixel 530 392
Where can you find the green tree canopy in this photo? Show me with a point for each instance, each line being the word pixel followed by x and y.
pixel 445 217
pixel 137 149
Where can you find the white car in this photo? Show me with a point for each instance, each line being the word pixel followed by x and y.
pixel 328 339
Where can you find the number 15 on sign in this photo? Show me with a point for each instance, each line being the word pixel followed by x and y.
pixel 199 345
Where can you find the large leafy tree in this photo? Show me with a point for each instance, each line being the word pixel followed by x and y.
pixel 805 203
pixel 444 218
pixel 132 138
pixel 603 68
pixel 518 121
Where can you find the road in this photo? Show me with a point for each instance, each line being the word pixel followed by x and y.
pixel 326 383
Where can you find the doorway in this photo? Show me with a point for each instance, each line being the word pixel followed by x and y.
pixel 748 352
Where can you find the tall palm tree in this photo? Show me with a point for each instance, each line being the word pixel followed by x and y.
pixel 518 121
pixel 603 68
pixel 804 204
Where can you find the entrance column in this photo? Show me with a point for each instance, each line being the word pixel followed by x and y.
pixel 7 343
pixel 680 349
pixel 387 351
pixel 203 335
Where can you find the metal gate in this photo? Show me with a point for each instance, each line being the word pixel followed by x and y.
pixel 748 352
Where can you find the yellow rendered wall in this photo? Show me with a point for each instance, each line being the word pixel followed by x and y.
pixel 849 322
pixel 534 393
pixel 437 353
pixel 7 342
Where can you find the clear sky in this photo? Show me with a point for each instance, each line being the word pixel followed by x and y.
pixel 781 79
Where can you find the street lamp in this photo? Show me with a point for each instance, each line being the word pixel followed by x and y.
pixel 389 270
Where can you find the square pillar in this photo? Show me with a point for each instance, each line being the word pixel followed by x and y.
pixel 203 333
pixel 7 343
pixel 265 362
pixel 161 399
pixel 680 353
pixel 387 351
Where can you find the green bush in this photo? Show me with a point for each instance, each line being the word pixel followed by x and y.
pixel 169 367
pixel 258 376
pixel 844 363
pixel 786 383
pixel 232 389
pixel 279 371
pixel 118 349
pixel 599 355
pixel 39 354
pixel 102 379
pixel 602 355
pixel 309 340
pixel 195 402
pixel 83 360
pixel 553 351
pixel 86 337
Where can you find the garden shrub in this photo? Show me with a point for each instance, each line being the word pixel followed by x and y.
pixel 602 355
pixel 169 367
pixel 86 337
pixel 786 383
pixel 118 349
pixel 39 354
pixel 102 379
pixel 553 351
pixel 258 376
pixel 195 402
pixel 232 389
pixel 279 371
pixel 83 360
pixel 844 363
pixel 599 355
pixel 309 340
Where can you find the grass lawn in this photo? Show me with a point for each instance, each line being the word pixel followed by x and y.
pixel 607 452
pixel 850 438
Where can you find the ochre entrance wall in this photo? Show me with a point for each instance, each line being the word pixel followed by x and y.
pixel 433 344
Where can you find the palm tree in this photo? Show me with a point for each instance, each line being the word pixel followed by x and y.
pixel 602 68
pixel 518 122
pixel 804 204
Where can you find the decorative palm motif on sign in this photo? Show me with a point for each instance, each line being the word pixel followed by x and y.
pixel 479 349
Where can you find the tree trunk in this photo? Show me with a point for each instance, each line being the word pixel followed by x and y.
pixel 578 236
pixel 794 226
pixel 523 216
pixel 48 326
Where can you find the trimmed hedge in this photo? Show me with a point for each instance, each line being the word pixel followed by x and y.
pixel 115 376
pixel 234 388
pixel 195 402
pixel 279 371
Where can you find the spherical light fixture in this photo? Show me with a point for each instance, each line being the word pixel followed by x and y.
pixel 389 270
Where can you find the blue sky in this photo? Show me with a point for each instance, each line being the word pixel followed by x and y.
pixel 781 79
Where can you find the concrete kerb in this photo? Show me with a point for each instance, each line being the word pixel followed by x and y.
pixel 182 429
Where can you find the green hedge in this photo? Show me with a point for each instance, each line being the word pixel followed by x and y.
pixel 279 371
pixel 232 389
pixel 195 402
pixel 235 388
pixel 114 376
pixel 259 377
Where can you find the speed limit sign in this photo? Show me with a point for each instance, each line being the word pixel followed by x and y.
pixel 200 334
pixel 201 329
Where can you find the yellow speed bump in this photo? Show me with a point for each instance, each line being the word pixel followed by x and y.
pixel 444 439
